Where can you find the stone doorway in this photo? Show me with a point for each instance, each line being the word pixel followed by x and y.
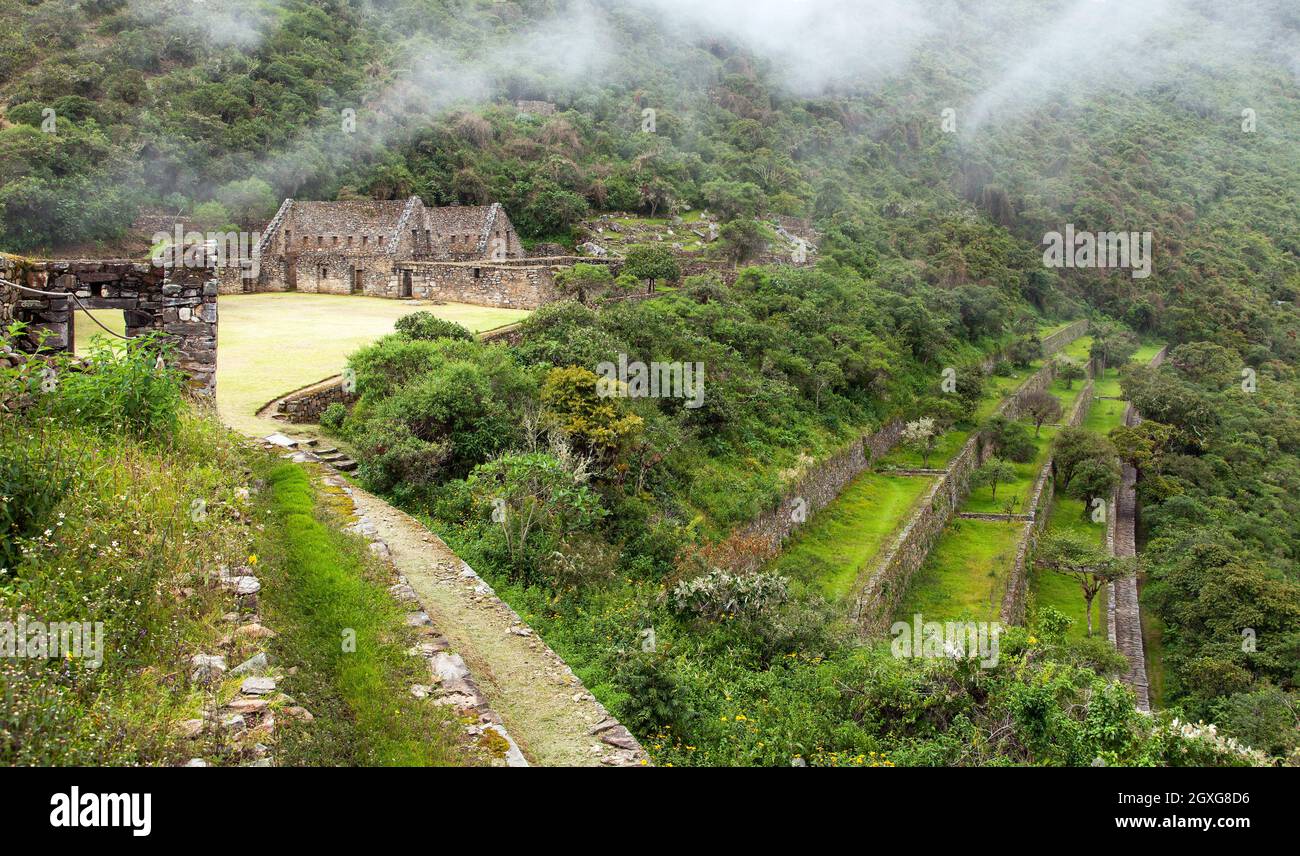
pixel 405 288
pixel 179 302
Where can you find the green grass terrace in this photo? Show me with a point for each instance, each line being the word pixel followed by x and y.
pixel 828 554
pixel 965 575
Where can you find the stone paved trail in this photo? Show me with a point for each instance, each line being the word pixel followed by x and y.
pixel 1124 617
pixel 1124 613
pixel 545 707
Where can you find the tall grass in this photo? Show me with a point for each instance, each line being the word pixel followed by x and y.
pixel 119 504
pixel 326 593
pixel 131 542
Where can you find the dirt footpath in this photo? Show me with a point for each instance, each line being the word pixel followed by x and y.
pixel 546 709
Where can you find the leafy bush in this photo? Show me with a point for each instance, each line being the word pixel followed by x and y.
pixel 427 326
pixel 722 594
pixel 333 416
pixel 126 387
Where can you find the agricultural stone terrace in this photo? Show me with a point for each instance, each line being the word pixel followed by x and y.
pixel 870 563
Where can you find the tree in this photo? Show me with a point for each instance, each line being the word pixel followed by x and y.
pixel 1165 397
pixel 550 210
pixel 1009 440
pixel 1023 351
pixel 249 202
pixel 1072 447
pixel 1069 371
pixel 742 240
pixel 583 279
pixel 1072 556
pixel 1207 364
pixel 1112 345
pixel 596 424
pixel 1142 446
pixel 734 199
pixel 656 194
pixel 1041 406
pixel 922 436
pixel 1094 478
pixel 652 263
pixel 211 216
pixel 993 473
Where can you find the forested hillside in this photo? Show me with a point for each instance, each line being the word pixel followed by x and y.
pixel 933 146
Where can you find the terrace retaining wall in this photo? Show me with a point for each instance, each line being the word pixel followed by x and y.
pixel 1123 610
pixel 1013 601
pixel 818 487
pixel 1064 336
pixel 882 583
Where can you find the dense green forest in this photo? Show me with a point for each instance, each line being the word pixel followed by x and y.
pixel 931 256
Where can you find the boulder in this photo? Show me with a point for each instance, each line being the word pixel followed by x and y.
pixel 207 669
pixel 254 665
pixel 257 686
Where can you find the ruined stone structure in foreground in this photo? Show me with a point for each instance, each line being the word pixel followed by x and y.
pixel 179 302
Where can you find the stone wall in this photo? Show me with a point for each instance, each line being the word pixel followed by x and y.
pixel 1123 609
pixel 1063 337
pixel 179 302
pixel 483 284
pixel 882 582
pixel 307 404
pixel 1013 601
pixel 820 485
pixel 9 298
pixel 879 583
pixel 511 334
pixel 1040 380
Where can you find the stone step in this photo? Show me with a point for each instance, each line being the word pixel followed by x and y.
pixel 347 465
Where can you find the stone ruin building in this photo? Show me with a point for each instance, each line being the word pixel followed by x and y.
pixel 180 303
pixel 355 247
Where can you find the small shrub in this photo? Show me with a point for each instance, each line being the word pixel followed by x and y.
pixel 126 387
pixel 331 419
pixel 720 594
pixel 427 326
pixel 652 695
